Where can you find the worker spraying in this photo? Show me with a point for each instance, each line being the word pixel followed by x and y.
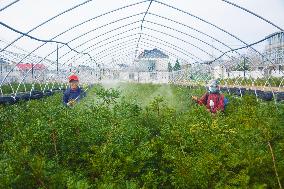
pixel 73 93
pixel 213 100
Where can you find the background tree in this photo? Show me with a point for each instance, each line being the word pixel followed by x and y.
pixel 244 64
pixel 177 66
pixel 170 68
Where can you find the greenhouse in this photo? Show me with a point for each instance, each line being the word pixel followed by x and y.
pixel 141 94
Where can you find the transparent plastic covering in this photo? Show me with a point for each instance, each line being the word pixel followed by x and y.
pixel 184 42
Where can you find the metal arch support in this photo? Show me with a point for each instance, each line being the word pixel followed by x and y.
pixel 9 5
pixel 171 45
pixel 181 33
pixel 145 27
pixel 119 47
pixel 68 10
pixel 68 31
pixel 128 44
pixel 149 45
pixel 201 19
pixel 121 33
pixel 83 34
pixel 254 14
pixel 247 47
pixel 115 47
pixel 106 43
pixel 192 29
pixel 151 22
pixel 126 49
pixel 81 44
pixel 150 36
pixel 101 34
pixel 186 41
pixel 98 16
pixel 195 37
pixel 37 39
pixel 156 38
pixel 125 55
pixel 181 40
pixel 49 78
pixel 141 26
pixel 193 44
pixel 46 57
pixel 98 43
pixel 215 26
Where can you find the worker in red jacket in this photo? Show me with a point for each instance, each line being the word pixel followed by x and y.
pixel 213 100
pixel 74 93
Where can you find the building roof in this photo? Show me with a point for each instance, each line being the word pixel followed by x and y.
pixel 2 61
pixel 155 53
pixel 27 66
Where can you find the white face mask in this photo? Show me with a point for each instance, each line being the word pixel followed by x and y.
pixel 213 89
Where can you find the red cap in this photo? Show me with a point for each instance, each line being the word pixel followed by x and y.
pixel 73 77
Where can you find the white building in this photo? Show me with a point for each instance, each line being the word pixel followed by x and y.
pixel 152 60
pixel 151 66
pixel 274 49
pixel 88 74
pixel 5 68
pixel 270 64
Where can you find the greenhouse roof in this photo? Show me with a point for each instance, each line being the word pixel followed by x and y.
pixel 105 34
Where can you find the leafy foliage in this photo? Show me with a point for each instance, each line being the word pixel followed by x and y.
pixel 270 81
pixel 143 136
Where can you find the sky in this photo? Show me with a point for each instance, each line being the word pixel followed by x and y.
pixel 178 27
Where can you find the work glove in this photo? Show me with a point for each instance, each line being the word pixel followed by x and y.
pixel 71 102
pixel 194 98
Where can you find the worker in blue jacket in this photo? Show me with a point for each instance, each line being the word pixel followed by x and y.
pixel 73 93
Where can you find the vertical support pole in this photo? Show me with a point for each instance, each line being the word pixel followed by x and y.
pixel 1 61
pixel 32 70
pixel 57 60
pixel 244 67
